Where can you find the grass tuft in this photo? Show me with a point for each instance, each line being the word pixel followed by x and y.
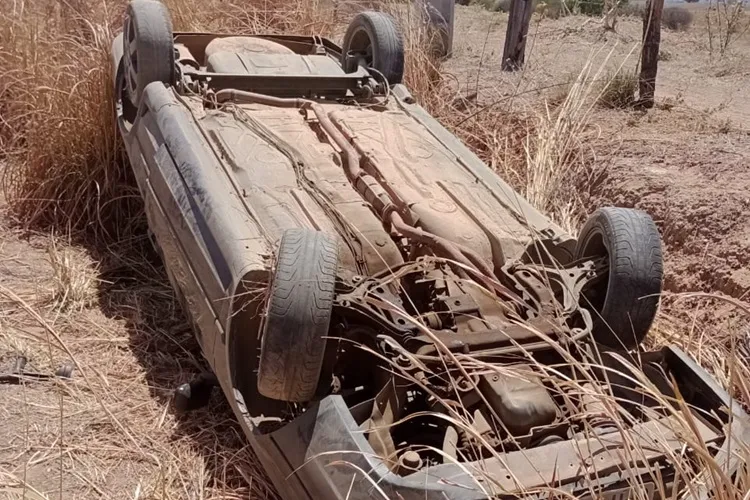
pixel 619 90
pixel 74 278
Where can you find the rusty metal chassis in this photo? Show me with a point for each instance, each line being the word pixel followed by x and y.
pixel 548 298
pixel 356 83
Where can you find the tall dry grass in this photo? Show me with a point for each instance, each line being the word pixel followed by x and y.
pixel 576 378
pixel 63 161
pixel 64 167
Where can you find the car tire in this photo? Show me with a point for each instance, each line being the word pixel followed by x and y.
pixel 625 303
pixel 298 314
pixel 148 47
pixel 376 35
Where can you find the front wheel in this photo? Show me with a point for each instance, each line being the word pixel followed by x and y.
pixel 298 314
pixel 625 302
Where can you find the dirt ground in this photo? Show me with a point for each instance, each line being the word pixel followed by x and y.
pixel 109 431
pixel 684 162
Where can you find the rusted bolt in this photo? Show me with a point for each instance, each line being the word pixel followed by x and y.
pixel 403 361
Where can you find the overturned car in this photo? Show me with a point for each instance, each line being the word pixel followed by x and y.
pixel 386 316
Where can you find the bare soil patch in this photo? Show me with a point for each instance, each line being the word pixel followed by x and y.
pixel 684 162
pixel 110 431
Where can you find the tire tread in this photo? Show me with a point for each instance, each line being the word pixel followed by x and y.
pixel 387 42
pixel 635 274
pixel 298 316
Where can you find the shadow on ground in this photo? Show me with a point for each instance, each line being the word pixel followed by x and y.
pixel 136 290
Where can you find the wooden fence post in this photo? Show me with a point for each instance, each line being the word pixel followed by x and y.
pixel 650 52
pixel 515 37
pixel 441 14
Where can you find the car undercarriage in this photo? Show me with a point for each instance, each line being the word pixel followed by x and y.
pixel 383 313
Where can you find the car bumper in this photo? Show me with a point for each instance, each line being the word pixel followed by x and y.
pixel 324 454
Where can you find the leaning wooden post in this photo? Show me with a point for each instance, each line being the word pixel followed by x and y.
pixel 650 52
pixel 442 16
pixel 519 18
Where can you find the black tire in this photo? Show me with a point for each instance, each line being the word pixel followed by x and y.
pixel 376 35
pixel 298 314
pixel 625 303
pixel 148 47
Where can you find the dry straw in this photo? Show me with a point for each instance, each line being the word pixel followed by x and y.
pixel 64 169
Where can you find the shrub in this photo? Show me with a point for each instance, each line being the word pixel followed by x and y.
pixel 676 18
pixel 551 9
pixel 632 9
pixel 591 7
pixel 618 90
pixel 596 7
pixel 498 5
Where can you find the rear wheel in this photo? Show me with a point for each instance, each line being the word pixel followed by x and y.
pixel 148 47
pixel 625 302
pixel 375 37
pixel 298 315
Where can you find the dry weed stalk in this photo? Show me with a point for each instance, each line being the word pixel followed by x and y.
pixel 556 158
pixel 726 22
pixel 570 380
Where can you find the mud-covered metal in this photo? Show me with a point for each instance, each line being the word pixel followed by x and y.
pixel 460 336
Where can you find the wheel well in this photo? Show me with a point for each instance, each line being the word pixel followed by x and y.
pixel 243 343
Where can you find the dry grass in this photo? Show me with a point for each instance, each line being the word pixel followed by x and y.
pixel 556 158
pixel 619 90
pixel 67 172
pixel 574 380
pixel 74 278
pixel 110 428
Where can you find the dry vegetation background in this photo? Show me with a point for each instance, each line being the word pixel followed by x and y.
pixel 79 282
